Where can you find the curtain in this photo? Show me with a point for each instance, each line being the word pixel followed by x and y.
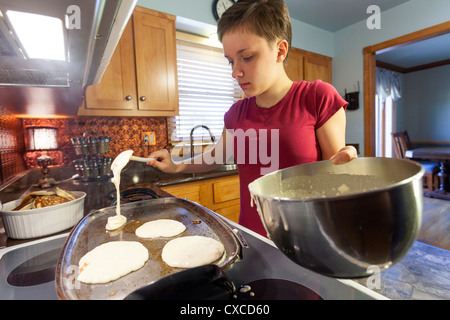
pixel 388 84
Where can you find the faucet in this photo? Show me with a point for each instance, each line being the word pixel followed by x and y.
pixel 192 138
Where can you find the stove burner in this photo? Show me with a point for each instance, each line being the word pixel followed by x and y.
pixel 136 194
pixel 275 289
pixel 35 271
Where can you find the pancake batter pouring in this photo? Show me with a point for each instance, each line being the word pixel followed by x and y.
pixel 115 222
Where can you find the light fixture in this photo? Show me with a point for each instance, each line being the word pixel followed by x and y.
pixel 43 139
pixel 42 37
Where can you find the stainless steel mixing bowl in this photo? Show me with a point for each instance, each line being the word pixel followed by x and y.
pixel 355 219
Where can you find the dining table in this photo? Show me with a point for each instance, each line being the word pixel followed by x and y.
pixel 440 154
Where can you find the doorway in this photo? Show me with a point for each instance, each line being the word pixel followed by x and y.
pixel 384 124
pixel 370 125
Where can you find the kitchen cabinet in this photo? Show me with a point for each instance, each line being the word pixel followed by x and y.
pixel 141 78
pixel 220 195
pixel 309 66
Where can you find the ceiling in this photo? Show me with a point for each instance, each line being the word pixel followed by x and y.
pixel 418 54
pixel 333 15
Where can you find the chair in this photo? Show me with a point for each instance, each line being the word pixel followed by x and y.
pixel 430 178
pixel 399 144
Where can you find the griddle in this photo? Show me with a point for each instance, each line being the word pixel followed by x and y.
pixel 90 232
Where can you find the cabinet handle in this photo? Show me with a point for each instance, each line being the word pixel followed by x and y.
pixel 128 98
pixel 143 98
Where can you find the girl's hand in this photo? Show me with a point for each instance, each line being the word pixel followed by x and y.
pixel 344 155
pixel 163 161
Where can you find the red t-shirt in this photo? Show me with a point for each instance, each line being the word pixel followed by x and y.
pixel 269 139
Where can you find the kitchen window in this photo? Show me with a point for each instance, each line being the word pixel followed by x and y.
pixel 206 91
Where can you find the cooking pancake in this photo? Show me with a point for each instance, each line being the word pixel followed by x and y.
pixel 192 251
pixel 111 260
pixel 160 228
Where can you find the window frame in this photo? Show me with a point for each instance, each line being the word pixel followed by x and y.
pixel 201 136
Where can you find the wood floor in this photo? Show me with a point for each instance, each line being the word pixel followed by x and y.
pixel 435 228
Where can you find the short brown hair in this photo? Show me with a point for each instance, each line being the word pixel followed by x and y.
pixel 266 18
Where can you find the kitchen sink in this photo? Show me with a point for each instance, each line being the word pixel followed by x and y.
pixel 227 167
pixel 189 177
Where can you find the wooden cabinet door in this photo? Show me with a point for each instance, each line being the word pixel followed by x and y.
pixel 141 78
pixel 309 66
pixel 226 189
pixel 190 191
pixel 318 68
pixel 294 65
pixel 156 70
pixel 231 212
pixel 117 88
pixel 220 195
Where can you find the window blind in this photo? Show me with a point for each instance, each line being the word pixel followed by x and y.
pixel 206 91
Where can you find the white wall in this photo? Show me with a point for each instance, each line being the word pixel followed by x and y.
pixel 425 105
pixel 349 43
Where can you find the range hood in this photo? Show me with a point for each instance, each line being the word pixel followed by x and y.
pixel 91 30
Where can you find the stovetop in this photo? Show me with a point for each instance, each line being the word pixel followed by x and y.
pixel 27 272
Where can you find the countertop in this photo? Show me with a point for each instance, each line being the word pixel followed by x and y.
pixel 424 273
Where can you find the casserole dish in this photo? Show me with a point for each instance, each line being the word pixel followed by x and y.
pixel 33 223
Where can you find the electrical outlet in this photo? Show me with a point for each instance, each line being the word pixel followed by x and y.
pixel 148 138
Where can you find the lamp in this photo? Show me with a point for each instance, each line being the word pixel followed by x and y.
pixel 43 139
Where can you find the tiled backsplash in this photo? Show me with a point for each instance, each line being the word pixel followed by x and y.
pixel 11 142
pixel 125 132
